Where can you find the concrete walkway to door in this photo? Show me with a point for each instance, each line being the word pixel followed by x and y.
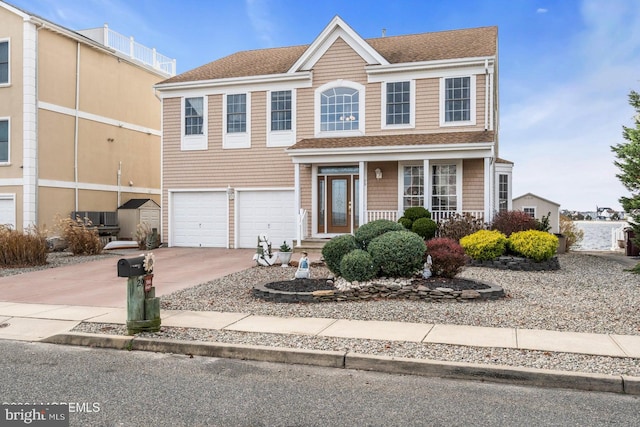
pixel 96 283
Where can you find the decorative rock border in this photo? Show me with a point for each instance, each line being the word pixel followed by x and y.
pixel 518 264
pixel 380 291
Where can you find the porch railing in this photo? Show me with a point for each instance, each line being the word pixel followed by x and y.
pixel 438 216
pixel 375 215
pixel 303 228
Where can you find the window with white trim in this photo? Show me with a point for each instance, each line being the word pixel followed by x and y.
pixel 503 192
pixel 281 108
pixel 339 109
pixel 413 186
pixel 444 187
pixel 4 141
pixel 531 211
pixel 4 62
pixel 237 113
pixel 194 123
pixel 398 103
pixel 457 101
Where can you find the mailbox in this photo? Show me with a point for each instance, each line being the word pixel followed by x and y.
pixel 130 267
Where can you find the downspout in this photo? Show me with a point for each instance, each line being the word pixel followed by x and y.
pixel 75 132
pixel 119 181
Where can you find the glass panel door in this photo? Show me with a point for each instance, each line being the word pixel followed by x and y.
pixel 339 204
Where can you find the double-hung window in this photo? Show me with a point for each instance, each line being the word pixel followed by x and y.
pixel 4 141
pixel 398 104
pixel 236 116
pixel 458 101
pixel 281 110
pixel 4 62
pixel 194 127
pixel 237 113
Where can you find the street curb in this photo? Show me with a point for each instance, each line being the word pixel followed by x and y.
pixel 345 360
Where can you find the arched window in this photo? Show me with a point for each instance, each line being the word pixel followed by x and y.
pixel 339 109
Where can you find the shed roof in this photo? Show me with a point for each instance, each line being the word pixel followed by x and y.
pixel 136 203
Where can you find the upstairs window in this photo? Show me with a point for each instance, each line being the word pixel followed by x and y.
pixel 340 109
pixel 398 103
pixel 4 141
pixel 193 116
pixel 281 110
pixel 4 62
pixel 457 99
pixel 237 113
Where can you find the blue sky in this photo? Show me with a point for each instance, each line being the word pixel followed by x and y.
pixel 566 66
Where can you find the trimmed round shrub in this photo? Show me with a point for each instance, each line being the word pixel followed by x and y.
pixel 416 212
pixel 425 228
pixel 508 222
pixel 397 253
pixel 358 266
pixel 484 244
pixel 335 249
pixel 447 257
pixel 367 232
pixel 406 222
pixel 534 244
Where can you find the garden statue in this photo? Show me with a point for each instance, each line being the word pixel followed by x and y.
pixel 303 267
pixel 263 254
pixel 427 267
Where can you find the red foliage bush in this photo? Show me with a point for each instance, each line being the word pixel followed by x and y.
pixel 447 256
pixel 508 222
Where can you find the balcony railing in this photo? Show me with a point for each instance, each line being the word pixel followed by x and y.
pixel 134 50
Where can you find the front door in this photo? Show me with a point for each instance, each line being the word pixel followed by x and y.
pixel 337 204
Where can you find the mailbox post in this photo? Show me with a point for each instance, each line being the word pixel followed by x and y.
pixel 143 307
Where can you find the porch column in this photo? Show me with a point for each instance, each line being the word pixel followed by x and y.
pixel 488 190
pixel 427 184
pixel 297 203
pixel 362 191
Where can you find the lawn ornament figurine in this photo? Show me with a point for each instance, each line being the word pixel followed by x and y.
pixel 263 255
pixel 303 267
pixel 427 267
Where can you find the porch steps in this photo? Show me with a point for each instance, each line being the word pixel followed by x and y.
pixel 314 244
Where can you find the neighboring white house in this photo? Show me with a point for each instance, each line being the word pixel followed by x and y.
pixel 538 207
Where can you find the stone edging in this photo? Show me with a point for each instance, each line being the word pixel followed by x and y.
pixel 517 263
pixel 380 291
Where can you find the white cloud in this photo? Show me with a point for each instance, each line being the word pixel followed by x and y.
pixel 541 10
pixel 261 20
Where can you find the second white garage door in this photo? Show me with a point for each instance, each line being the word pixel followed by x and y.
pixel 199 219
pixel 271 212
pixel 8 210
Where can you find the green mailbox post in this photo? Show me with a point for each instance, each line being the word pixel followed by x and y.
pixel 143 307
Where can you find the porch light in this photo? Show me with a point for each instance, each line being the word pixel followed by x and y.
pixel 378 172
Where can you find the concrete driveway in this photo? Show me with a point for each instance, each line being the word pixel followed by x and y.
pixel 96 283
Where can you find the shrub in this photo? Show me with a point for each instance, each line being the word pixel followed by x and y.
pixel 18 249
pixel 81 238
pixel 457 226
pixel 484 244
pixel 406 222
pixel 425 228
pixel 335 249
pixel 568 229
pixel 544 224
pixel 416 212
pixel 367 232
pixel 447 256
pixel 357 265
pixel 146 237
pixel 534 244
pixel 508 222
pixel 397 253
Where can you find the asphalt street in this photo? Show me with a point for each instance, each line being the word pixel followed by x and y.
pixel 128 388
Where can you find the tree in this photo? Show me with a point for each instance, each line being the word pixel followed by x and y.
pixel 628 155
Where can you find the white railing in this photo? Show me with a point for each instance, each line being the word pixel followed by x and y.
pixel 302 231
pixel 438 216
pixel 129 47
pixel 375 215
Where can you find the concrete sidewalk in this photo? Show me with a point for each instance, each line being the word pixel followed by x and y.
pixel 35 322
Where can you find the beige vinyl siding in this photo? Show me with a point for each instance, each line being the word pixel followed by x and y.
pixel 305 196
pixel 382 194
pixel 428 105
pixel 473 184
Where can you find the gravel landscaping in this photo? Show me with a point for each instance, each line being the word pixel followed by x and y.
pixel 588 294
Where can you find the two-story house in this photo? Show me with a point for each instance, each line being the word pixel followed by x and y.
pixel 314 140
pixel 79 119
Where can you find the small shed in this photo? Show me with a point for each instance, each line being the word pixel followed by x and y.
pixel 539 207
pixel 137 211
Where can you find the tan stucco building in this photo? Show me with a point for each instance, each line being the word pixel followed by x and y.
pixel 79 121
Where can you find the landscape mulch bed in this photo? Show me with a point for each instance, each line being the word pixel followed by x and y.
pixel 311 285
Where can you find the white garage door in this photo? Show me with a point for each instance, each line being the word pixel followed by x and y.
pixel 8 211
pixel 199 219
pixel 271 212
